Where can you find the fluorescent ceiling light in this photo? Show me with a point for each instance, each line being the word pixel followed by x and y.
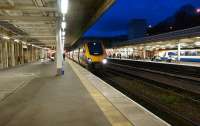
pixel 184 44
pixel 63 33
pixel 16 40
pixel 63 25
pixel 63 18
pixel 197 43
pixel 23 42
pixel 162 47
pixel 6 37
pixel 64 6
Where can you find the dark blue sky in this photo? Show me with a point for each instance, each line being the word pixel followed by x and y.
pixel 115 21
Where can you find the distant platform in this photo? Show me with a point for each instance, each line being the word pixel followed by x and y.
pixel 193 64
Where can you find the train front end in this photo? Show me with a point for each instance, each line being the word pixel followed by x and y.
pixel 96 55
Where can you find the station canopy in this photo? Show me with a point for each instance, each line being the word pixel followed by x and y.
pixel 35 21
pixel 187 38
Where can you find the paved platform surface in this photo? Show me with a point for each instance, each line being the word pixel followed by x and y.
pixel 36 97
pixel 48 100
pixel 15 78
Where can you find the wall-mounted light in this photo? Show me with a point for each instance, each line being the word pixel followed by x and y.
pixel 64 6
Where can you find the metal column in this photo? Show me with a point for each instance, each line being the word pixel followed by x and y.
pixel 1 54
pixel 12 54
pixel 179 51
pixel 59 53
pixel 144 53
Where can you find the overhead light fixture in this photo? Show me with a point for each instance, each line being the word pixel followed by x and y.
pixel 63 25
pixel 63 18
pixel 170 46
pixel 16 40
pixel 63 33
pixel 197 43
pixel 23 42
pixel 6 37
pixel 64 6
pixel 184 44
pixel 157 46
pixel 198 37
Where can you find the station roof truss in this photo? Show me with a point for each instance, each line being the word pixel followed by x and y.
pixel 35 21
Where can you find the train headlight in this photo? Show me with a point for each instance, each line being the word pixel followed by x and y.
pixel 104 61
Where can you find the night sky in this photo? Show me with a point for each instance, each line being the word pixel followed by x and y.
pixel 115 21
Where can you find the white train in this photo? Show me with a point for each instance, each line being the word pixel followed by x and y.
pixel 187 55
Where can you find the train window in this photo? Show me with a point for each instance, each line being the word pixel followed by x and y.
pixel 172 53
pixel 194 53
pixel 190 53
pixel 182 53
pixel 84 50
pixel 95 48
pixel 198 53
pixel 187 53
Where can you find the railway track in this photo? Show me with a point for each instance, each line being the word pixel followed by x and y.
pixel 192 86
pixel 165 112
pixel 182 71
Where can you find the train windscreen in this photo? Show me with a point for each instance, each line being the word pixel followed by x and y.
pixel 95 48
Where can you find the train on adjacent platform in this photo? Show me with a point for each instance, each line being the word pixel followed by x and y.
pixel 186 55
pixel 91 55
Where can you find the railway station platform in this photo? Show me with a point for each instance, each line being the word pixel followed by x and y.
pixel 192 64
pixel 32 95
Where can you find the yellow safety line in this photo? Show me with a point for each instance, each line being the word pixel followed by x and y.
pixel 111 113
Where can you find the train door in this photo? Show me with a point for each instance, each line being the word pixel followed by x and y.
pixel 82 55
pixel 79 55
